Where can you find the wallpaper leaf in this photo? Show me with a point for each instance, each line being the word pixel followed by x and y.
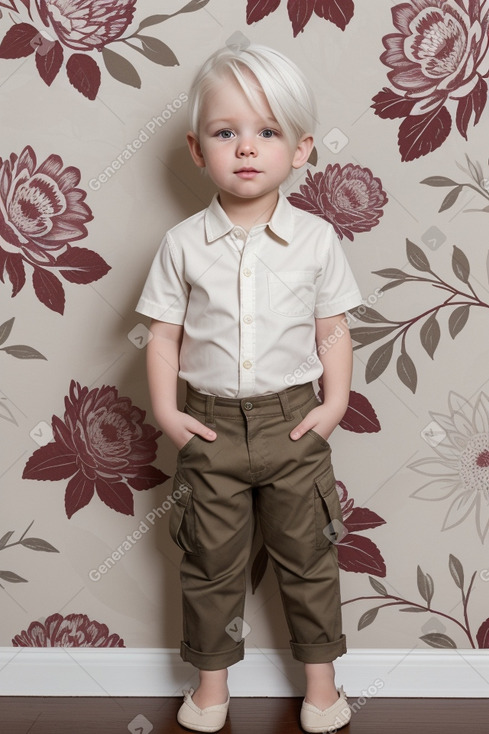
pixel 478 183
pixel 367 618
pixel 430 334
pixel 406 370
pixel 360 416
pixel 459 301
pixel 17 42
pixel 11 577
pixel 20 351
pixel 427 80
pixel 49 64
pixel 120 68
pixel 156 51
pixel 473 104
pixel 450 198
pixel 339 12
pixel 483 635
pixel 457 570
pixel 438 639
pixel 84 74
pixel 426 587
pixel 5 330
pixel 35 544
pixel 378 587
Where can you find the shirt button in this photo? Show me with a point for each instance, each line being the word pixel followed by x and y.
pixel 248 406
pixel 247 364
pixel 238 233
pixel 248 319
pixel 247 272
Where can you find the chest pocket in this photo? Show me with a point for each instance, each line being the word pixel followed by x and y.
pixel 291 293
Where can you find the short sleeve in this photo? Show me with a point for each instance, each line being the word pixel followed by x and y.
pixel 337 289
pixel 165 293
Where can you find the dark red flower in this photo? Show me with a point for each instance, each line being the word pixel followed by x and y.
pixel 440 52
pixel 85 25
pixel 355 552
pixel 351 198
pixel 103 445
pixel 74 630
pixel 41 212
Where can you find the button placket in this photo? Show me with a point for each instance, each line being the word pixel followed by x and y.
pixel 247 319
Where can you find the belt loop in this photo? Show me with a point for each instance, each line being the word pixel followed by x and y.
pixel 209 409
pixel 284 402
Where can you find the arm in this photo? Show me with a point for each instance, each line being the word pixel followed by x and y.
pixel 336 355
pixel 163 353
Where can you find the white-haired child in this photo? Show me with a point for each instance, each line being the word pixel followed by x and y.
pixel 241 295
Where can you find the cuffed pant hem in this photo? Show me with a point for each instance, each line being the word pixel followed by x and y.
pixel 212 660
pixel 322 653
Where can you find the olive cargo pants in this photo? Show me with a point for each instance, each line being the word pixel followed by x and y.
pixel 253 460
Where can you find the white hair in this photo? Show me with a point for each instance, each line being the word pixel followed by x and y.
pixel 286 89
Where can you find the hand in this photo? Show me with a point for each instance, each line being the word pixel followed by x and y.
pixel 181 427
pixel 320 419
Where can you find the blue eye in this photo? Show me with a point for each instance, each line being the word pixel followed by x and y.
pixel 267 133
pixel 225 134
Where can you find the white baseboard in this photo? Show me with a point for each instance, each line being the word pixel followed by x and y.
pixel 85 671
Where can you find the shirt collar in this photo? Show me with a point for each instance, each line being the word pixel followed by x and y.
pixel 218 224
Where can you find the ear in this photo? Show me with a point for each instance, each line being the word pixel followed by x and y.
pixel 303 151
pixel 195 150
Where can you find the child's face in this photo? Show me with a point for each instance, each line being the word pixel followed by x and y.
pixel 242 146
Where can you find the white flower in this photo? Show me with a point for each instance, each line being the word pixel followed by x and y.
pixel 462 469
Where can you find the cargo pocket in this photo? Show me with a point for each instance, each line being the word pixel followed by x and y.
pixel 182 517
pixel 327 511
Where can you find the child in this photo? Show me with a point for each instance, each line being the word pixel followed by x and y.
pixel 240 295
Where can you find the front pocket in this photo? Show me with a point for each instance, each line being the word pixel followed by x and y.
pixel 291 293
pixel 189 442
pixel 182 517
pixel 317 437
pixel 327 511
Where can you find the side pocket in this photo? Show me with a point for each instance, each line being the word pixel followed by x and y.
pixel 327 511
pixel 182 516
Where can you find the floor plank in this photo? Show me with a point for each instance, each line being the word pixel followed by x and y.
pixel 49 715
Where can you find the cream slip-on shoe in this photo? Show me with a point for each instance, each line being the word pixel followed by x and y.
pixel 327 720
pixel 209 719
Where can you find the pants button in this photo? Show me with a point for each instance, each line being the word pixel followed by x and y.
pixel 248 406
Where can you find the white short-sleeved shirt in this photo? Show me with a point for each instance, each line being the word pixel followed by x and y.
pixel 248 301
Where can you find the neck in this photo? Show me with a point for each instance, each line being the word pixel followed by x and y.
pixel 248 213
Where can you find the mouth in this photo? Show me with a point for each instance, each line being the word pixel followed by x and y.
pixel 246 172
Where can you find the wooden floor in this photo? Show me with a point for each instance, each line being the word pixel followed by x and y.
pixel 48 715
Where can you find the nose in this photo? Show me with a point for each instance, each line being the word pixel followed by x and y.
pixel 246 148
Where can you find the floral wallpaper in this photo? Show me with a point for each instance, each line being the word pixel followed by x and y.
pixel 93 170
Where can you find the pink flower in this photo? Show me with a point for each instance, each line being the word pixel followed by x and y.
pixel 441 50
pixel 74 630
pixel 351 198
pixel 85 25
pixel 41 212
pixel 103 445
pixel 355 552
